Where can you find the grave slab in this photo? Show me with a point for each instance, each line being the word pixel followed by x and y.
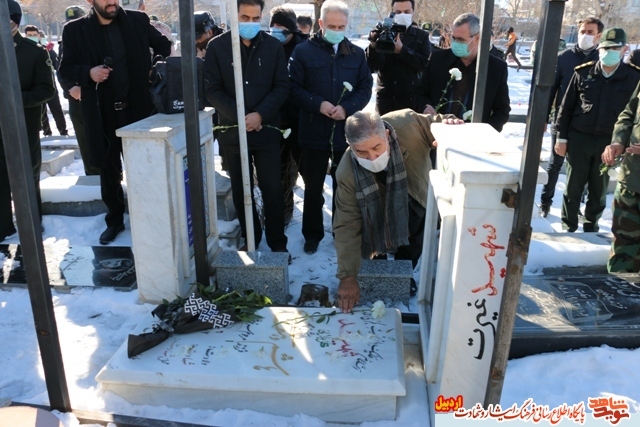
pixel 72 196
pixel 73 266
pixel 349 369
pixel 385 280
pixel 558 313
pixel 54 160
pixel 61 143
pixel 267 273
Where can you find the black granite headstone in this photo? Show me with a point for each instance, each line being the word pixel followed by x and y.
pixel 558 313
pixel 91 266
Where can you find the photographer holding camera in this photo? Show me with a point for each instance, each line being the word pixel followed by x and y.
pixel 398 53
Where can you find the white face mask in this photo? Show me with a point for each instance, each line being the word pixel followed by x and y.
pixel 405 19
pixel 376 165
pixel 585 42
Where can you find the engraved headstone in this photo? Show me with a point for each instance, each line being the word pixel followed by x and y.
pixel 558 313
pixel 340 367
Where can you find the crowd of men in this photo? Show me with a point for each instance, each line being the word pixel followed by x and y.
pixel 316 85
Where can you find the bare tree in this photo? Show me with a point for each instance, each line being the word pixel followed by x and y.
pixel 46 14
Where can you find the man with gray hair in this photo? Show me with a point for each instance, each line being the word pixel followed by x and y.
pixel 440 92
pixel 382 189
pixel 330 80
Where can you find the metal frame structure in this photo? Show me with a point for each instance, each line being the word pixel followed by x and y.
pixel 16 148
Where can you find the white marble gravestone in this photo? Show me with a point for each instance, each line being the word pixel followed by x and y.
pixel 155 156
pixel 349 369
pixel 475 164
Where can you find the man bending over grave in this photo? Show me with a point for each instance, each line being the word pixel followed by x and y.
pixel 382 190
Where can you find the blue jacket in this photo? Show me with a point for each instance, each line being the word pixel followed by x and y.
pixel 318 74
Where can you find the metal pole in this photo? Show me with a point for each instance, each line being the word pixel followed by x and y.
pixel 16 148
pixel 242 127
pixel 192 127
pixel 482 61
pixel 518 250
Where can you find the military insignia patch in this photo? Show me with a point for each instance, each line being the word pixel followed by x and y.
pixel 611 35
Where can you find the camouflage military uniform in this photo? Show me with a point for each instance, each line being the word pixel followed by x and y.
pixel 625 248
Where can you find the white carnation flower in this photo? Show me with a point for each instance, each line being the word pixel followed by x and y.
pixel 378 310
pixel 457 74
pixel 348 86
pixel 613 173
pixel 467 115
pixel 286 133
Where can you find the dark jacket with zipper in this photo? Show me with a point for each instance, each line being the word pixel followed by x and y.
pixel 318 74
pixel 593 103
pixel 266 86
pixel 84 47
pixel 399 74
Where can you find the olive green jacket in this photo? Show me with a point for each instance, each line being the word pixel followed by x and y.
pixel 626 132
pixel 415 140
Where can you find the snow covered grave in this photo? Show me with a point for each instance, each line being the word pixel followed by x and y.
pixel 155 155
pixel 475 165
pixel 340 367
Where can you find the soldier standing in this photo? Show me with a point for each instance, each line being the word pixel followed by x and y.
pixel 36 83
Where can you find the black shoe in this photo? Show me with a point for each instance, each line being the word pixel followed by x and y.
pixel 8 233
pixel 110 234
pixel 544 210
pixel 311 246
pixel 413 288
pixel 64 133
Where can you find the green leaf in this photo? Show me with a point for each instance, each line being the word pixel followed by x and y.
pixel 321 319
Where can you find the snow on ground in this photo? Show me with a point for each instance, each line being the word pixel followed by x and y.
pixel 94 323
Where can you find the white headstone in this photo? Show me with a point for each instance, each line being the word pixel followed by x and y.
pixel 341 368
pixel 475 165
pixel 155 156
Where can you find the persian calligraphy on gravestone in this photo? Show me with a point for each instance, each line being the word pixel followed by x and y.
pixel 579 302
pixel 275 353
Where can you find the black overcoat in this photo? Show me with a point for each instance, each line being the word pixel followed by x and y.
pixel 83 48
pixel 496 101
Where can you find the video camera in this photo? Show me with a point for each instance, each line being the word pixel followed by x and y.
pixel 388 31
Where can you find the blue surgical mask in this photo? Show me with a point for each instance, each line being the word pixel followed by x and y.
pixel 34 39
pixel 333 37
pixel 459 49
pixel 278 33
pixel 248 30
pixel 609 57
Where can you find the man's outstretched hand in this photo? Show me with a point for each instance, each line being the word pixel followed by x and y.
pixel 348 293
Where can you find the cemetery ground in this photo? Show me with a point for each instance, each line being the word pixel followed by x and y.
pixel 93 324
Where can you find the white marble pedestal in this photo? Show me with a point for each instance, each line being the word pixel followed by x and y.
pixel 349 369
pixel 458 325
pixel 155 156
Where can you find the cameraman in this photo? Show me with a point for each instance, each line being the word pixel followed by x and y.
pixel 399 72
